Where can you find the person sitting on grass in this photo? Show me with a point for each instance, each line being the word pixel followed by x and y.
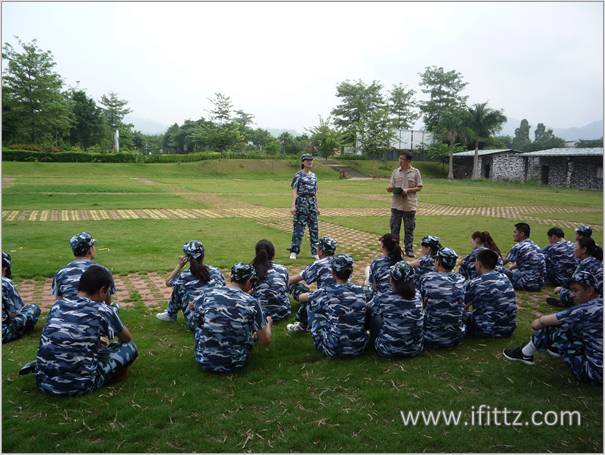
pixel 188 284
pixel 319 272
pixel 492 299
pixel 337 313
pixel 380 269
pixel 228 320
pixel 75 356
pixel 271 286
pixel 528 268
pixel 583 231
pixel 574 334
pixel 560 258
pixel 480 240
pixel 442 293
pixel 17 318
pixel 395 318
pixel 426 263
pixel 66 280
pixel 590 257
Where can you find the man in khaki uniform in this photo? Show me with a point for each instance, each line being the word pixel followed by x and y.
pixel 404 184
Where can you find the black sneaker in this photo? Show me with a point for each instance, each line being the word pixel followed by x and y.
pixel 410 254
pixel 554 302
pixel 554 352
pixel 516 354
pixel 28 368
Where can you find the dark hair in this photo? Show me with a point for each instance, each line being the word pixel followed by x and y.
pixel 523 227
pixel 406 289
pixel 488 259
pixel 265 252
pixel 343 274
pixel 487 241
pixel 592 249
pixel 199 270
pixel 557 232
pixel 407 155
pixel 94 279
pixel 443 264
pixel 390 242
pixel 8 274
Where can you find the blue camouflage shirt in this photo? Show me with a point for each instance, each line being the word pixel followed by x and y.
pixel 67 360
pixel 401 333
pixel 65 282
pixel 467 265
pixel 530 260
pixel 560 261
pixel 589 264
pixel 226 320
pixel 11 300
pixel 585 322
pixel 493 300
pixel 337 315
pixel 188 286
pixel 380 274
pixel 426 264
pixel 304 184
pixel 320 271
pixel 272 293
pixel 443 298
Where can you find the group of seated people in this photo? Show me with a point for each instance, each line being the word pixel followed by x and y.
pixel 401 309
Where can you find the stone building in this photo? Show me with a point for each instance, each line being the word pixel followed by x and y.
pixel 499 164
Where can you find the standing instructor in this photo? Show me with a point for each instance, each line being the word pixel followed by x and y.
pixel 404 184
pixel 304 206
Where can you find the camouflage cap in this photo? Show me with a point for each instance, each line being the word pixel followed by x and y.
pixel 6 259
pixel 402 272
pixel 584 230
pixel 431 240
pixel 327 244
pixel 306 156
pixel 242 272
pixel 80 243
pixel 342 262
pixel 194 249
pixel 448 257
pixel 584 278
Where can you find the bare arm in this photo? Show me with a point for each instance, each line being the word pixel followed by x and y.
pixel 295 279
pixel 293 207
pixel 182 261
pixel 412 190
pixel 303 298
pixel 124 336
pixel 264 334
pixel 545 321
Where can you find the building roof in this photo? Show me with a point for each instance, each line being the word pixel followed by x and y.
pixel 594 151
pixel 485 152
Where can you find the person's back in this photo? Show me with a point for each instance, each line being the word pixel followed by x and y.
pixel 595 267
pixel 531 265
pixel 467 265
pixel 380 274
pixel 272 293
pixel 319 272
pixel 560 261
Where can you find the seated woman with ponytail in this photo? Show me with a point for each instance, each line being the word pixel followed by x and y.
pixel 189 284
pixel 380 269
pixel 430 244
pixel 480 240
pixel 271 286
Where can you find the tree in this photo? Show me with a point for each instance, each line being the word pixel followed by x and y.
pixel 589 143
pixel 521 141
pixel 33 105
pixel 453 128
pixel 221 109
pixel 260 137
pixel 325 138
pixel 115 110
pixel 483 122
pixel 401 109
pixel 545 139
pixel 443 88
pixel 87 127
pixel 286 140
pixel 376 132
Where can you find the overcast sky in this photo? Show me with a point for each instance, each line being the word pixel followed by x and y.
pixel 282 61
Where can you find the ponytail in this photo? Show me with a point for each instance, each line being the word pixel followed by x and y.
pixel 265 252
pixel 592 249
pixel 487 241
pixel 390 243
pixel 199 270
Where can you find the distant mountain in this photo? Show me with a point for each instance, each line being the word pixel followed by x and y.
pixel 276 132
pixel 146 126
pixel 593 130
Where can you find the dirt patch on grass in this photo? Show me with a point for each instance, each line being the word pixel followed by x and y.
pixel 7 182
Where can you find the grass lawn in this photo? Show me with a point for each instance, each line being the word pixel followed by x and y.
pixel 289 398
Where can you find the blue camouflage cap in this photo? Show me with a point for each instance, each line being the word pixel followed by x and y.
pixel 6 259
pixel 194 249
pixel 80 243
pixel 242 272
pixel 448 257
pixel 431 240
pixel 584 230
pixel 306 156
pixel 327 244
pixel 342 262
pixel 584 278
pixel 402 272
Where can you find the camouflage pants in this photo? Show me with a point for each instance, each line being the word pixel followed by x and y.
pixel 409 224
pixel 179 301
pixel 305 215
pixel 301 314
pixel 525 282
pixel 24 321
pixel 113 359
pixel 562 340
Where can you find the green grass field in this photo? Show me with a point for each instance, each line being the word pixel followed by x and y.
pixel 289 398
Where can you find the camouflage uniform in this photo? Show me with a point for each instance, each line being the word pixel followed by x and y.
pixel 319 272
pixel 443 298
pixel 70 360
pixel 531 267
pixel 306 210
pixel 26 317
pixel 467 266
pixel 66 280
pixel 380 278
pixel 561 261
pixel 493 300
pixel 591 265
pixel 272 293
pixel 426 264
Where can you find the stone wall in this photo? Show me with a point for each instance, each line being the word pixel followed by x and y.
pixel 574 172
pixel 507 166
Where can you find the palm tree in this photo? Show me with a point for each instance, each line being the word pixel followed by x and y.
pixel 484 122
pixel 453 127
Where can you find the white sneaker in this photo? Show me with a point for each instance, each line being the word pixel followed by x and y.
pixel 292 255
pixel 296 327
pixel 165 317
pixel 316 257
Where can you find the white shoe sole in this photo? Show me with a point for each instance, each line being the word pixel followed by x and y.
pixel 514 359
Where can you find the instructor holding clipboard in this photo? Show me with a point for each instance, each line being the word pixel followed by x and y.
pixel 405 182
